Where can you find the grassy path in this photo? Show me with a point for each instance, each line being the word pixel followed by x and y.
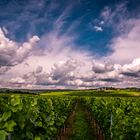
pixel 79 128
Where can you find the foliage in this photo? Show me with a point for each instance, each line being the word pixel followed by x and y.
pixel 119 117
pixel 32 117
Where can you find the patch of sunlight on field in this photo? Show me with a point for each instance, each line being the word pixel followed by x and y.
pixel 55 93
pixel 93 93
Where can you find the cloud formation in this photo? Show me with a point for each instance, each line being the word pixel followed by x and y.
pixel 11 53
pixel 66 74
pixel 132 69
pixel 98 28
pixel 101 68
pixel 55 60
pixel 126 46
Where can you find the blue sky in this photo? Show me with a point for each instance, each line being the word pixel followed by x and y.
pixel 32 17
pixel 90 31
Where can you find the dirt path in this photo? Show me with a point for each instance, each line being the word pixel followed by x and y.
pixel 67 130
pixel 78 126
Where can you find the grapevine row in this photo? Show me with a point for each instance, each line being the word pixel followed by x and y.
pixel 32 117
pixel 119 117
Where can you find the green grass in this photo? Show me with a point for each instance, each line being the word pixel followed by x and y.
pixel 81 128
pixel 96 93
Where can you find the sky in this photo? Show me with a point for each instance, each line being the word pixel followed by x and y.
pixel 68 44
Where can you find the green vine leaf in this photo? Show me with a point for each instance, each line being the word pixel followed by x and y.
pixel 3 135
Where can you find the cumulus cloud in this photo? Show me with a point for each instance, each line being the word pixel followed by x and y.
pixel 106 71
pixel 63 68
pixel 11 53
pixel 113 76
pixel 101 67
pixel 66 74
pixel 17 80
pixel 59 74
pixel 132 69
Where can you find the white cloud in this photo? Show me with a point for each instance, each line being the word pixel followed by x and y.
pixel 11 53
pixel 17 80
pixel 102 22
pixel 132 69
pixel 98 28
pixel 126 46
pixel 66 74
pixel 60 73
pixel 60 64
pixel 111 14
pixel 102 67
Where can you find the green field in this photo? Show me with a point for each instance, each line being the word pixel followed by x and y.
pixel 96 93
pixel 91 92
pixel 70 115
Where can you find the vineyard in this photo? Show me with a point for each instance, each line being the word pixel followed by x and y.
pixel 38 117
pixel 118 117
pixel 30 117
